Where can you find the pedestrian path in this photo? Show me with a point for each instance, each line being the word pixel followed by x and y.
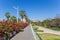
pixel 25 35
pixel 46 30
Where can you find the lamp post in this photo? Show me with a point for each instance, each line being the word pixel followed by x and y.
pixel 16 8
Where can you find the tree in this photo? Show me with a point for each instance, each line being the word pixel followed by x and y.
pixel 23 15
pixel 46 23
pixel 56 21
pixel 19 20
pixel 7 15
pixel 13 19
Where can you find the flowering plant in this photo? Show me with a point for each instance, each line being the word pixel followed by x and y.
pixel 8 27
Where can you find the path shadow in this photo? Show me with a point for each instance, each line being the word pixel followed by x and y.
pixel 17 33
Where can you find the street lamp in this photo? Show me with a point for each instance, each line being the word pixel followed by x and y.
pixel 16 8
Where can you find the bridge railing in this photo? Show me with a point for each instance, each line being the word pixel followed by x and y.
pixel 35 34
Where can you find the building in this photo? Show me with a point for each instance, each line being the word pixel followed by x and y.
pixel 1 20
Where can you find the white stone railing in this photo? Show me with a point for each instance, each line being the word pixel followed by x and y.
pixel 35 33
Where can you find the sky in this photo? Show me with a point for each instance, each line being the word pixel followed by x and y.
pixel 35 9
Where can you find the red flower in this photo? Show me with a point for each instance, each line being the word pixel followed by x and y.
pixel 1 32
pixel 13 25
pixel 5 23
pixel 25 24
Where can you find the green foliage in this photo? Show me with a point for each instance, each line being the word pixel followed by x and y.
pixel 46 36
pixel 35 23
pixel 19 20
pixel 39 31
pixel 46 23
pixel 35 27
pixel 55 22
pixel 13 19
pixel 7 15
pixel 23 15
pixel 55 28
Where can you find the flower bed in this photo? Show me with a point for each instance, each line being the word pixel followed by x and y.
pixel 9 29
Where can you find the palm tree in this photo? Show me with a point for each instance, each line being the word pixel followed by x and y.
pixel 23 15
pixel 7 15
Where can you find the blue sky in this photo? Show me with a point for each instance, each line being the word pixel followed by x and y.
pixel 35 9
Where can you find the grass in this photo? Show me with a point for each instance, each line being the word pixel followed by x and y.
pixel 46 36
pixel 36 29
pixel 39 30
pixel 55 28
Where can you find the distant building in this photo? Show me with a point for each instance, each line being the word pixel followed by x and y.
pixel 35 20
pixel 1 20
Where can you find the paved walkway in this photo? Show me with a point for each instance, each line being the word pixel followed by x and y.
pixel 46 30
pixel 25 35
